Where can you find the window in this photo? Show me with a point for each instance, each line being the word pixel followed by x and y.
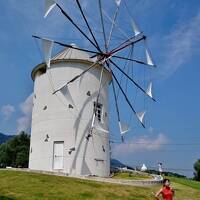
pixel 98 113
pixel 45 107
pixel 89 93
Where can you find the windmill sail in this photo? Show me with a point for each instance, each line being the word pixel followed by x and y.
pixel 49 5
pixel 123 128
pixel 65 91
pixel 47 47
pixel 135 27
pixel 149 59
pixel 118 2
pixel 140 116
pixel 149 90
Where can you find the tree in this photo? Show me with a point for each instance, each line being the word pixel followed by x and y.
pixel 197 170
pixel 15 152
pixel 5 155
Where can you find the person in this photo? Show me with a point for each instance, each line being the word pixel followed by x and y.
pixel 160 168
pixel 166 191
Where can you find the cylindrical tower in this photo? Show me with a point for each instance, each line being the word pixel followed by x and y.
pixel 62 121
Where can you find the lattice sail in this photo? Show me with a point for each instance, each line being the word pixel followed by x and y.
pixel 135 27
pixel 149 59
pixel 140 116
pixel 49 5
pixel 118 2
pixel 47 48
pixel 149 90
pixel 123 128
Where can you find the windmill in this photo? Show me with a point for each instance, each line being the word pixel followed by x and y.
pixel 102 59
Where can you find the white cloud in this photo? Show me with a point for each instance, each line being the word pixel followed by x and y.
pixel 143 143
pixel 7 111
pixel 24 122
pixel 26 106
pixel 181 44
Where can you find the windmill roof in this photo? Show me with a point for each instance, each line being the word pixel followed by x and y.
pixel 67 55
pixel 70 53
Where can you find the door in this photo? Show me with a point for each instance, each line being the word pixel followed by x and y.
pixel 58 155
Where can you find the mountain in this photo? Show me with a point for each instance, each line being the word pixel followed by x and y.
pixel 114 163
pixel 4 138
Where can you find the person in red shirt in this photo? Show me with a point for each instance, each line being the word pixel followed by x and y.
pixel 166 191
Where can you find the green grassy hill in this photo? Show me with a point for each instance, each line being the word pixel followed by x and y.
pixel 131 176
pixel 16 185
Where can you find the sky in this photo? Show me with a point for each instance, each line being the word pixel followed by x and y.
pixel 172 27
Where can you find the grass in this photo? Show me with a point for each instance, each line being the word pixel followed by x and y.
pixel 15 185
pixel 131 176
pixel 186 182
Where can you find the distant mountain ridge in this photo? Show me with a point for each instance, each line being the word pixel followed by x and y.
pixel 116 163
pixel 4 138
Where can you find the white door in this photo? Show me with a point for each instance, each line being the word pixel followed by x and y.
pixel 58 155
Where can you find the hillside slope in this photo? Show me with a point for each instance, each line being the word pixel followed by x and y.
pixel 17 185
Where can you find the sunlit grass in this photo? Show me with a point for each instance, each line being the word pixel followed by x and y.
pixel 131 176
pixel 16 185
pixel 186 182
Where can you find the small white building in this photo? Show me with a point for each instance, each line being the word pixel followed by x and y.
pixel 61 121
pixel 144 168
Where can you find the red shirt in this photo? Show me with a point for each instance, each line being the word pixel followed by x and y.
pixel 167 193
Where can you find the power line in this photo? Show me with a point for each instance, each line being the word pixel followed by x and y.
pixel 160 144
pixel 165 169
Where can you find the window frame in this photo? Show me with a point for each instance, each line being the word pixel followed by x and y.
pixel 99 109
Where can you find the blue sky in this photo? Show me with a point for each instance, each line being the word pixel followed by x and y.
pixel 173 29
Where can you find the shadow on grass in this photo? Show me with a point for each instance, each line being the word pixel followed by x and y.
pixel 5 198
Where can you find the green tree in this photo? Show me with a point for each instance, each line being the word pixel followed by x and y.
pixel 5 155
pixel 197 170
pixel 15 152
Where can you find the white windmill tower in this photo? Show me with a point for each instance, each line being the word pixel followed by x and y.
pixel 61 121
pixel 70 131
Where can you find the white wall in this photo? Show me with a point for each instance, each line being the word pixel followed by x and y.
pixel 69 125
